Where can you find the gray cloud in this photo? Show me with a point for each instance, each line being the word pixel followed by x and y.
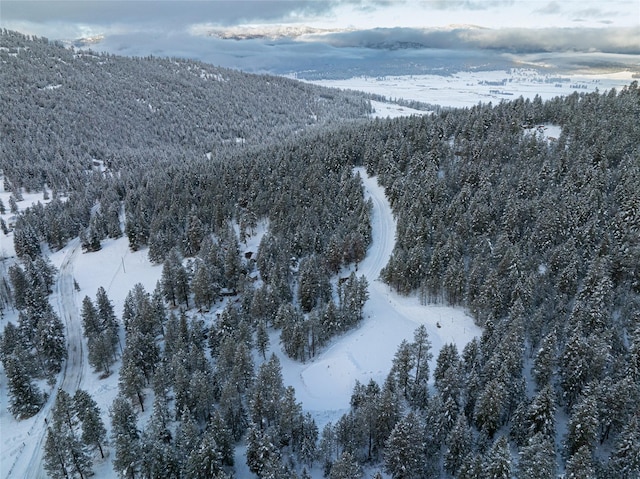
pixel 144 12
pixel 182 27
pixel 551 8
pixel 513 40
pixel 467 4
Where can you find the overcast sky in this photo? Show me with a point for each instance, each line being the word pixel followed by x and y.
pixel 183 27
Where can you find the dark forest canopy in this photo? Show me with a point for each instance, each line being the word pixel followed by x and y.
pixel 538 238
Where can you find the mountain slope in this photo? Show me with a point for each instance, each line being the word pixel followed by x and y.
pixel 63 108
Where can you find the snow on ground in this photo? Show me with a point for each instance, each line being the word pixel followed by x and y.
pixel 15 436
pixel 391 110
pixel 324 384
pixel 547 131
pixel 466 89
pixel 115 268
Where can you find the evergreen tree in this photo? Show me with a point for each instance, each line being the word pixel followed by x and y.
pixel 289 424
pixel 422 351
pixel 346 467
pixel 195 233
pixel 55 462
pixel 205 290
pixel 89 315
pixel 472 467
pixel 94 434
pixel 205 460
pixel 26 241
pixel 403 363
pixel 448 358
pixel 262 338
pixel 107 318
pixel 267 392
pixel 404 456
pixel 328 447
pixel 187 438
pixel 582 429
pixel 489 407
pixel 50 340
pixel 541 414
pixel 175 280
pixel 233 409
pixel 545 360
pixel 458 445
pixel 263 458
pixel 11 342
pixel 580 464
pixel 223 437
pixel 537 458
pixel 498 463
pixel 20 286
pixel 65 453
pixel 126 438
pixel 13 205
pixel 574 370
pixel 625 459
pixel 101 338
pixel 232 265
pixel 308 440
pixel 25 398
pixel 314 287
pixel 132 380
pixel 157 445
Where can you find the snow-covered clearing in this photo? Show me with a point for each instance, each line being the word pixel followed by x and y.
pixel 392 110
pixel 324 384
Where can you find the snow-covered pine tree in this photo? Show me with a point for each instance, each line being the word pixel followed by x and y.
pixel 94 434
pixel 125 438
pixel 404 456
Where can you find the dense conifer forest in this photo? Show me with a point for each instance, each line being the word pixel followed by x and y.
pixel 538 238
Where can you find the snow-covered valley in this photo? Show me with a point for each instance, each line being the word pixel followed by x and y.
pixel 468 88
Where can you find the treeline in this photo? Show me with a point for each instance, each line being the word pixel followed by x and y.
pixel 34 348
pixel 536 238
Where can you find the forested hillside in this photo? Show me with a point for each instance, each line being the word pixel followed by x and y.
pixel 63 108
pixel 537 237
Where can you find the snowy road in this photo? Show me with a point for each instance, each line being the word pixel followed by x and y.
pixel 28 463
pixel 324 385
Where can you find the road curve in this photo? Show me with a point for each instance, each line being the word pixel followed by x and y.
pixel 383 227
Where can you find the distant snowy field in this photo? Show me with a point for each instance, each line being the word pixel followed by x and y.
pixel 465 89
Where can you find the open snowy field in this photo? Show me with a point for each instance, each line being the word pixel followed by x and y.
pixel 465 89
